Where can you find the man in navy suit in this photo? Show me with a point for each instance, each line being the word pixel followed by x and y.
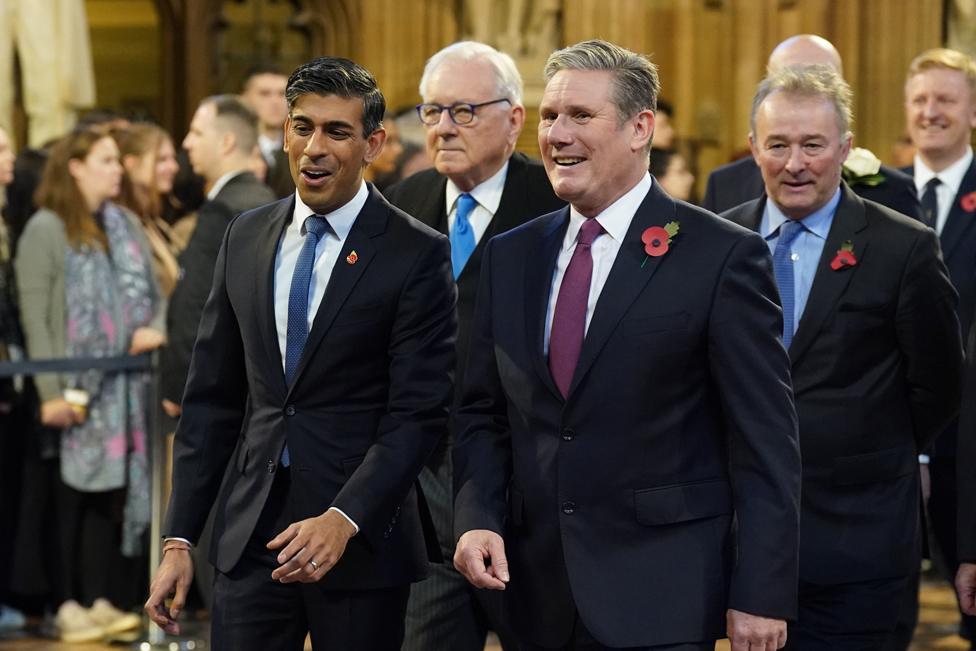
pixel 740 181
pixel 626 466
pixel 319 384
pixel 940 106
pixel 472 116
pixel 876 359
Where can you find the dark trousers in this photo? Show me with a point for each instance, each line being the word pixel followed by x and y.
pixel 942 513
pixel 848 617
pixel 582 640
pixel 254 613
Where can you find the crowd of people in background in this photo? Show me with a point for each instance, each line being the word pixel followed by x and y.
pixel 108 245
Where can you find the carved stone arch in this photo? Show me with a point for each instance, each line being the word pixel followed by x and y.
pixel 333 26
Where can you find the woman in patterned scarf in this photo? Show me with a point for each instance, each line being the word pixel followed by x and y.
pixel 87 289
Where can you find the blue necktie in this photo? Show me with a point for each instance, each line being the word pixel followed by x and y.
pixel 315 227
pixel 462 235
pixel 783 268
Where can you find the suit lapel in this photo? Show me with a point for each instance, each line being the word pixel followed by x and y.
pixel 370 222
pixel 430 209
pixel 959 221
pixel 628 277
pixel 538 281
pixel 266 252
pixel 828 284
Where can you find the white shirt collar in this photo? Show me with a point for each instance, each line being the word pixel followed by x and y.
pixel 951 176
pixel 341 219
pixel 221 182
pixel 616 218
pixel 488 193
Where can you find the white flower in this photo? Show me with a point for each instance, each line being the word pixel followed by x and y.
pixel 861 162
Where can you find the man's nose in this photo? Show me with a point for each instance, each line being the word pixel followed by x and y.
pixel 559 132
pixel 445 124
pixel 797 161
pixel 316 145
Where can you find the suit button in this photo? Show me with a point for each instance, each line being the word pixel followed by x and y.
pixel 569 507
pixel 271 466
pixel 290 410
pixel 568 434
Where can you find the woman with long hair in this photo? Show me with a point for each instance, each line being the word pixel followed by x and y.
pixel 87 289
pixel 150 167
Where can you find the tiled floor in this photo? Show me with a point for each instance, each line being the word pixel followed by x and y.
pixel 936 630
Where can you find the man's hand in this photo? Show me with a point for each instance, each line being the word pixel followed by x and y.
pixel 174 576
pixel 480 557
pixel 754 633
pixel 171 409
pixel 311 547
pixel 966 587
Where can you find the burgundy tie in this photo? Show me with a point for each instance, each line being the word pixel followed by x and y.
pixel 569 317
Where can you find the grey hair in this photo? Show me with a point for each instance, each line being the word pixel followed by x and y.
pixel 807 81
pixel 635 81
pixel 508 81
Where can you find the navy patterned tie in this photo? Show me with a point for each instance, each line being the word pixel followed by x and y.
pixel 783 269
pixel 315 227
pixel 930 203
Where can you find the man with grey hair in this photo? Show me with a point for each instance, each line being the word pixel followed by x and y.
pixel 472 115
pixel 874 345
pixel 740 181
pixel 627 399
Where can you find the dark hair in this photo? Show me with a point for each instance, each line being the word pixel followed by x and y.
pixel 261 69
pixel 664 106
pixel 341 77
pixel 232 114
pixel 660 159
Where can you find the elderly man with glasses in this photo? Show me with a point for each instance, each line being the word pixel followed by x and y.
pixel 472 114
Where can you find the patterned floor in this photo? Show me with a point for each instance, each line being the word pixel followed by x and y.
pixel 936 630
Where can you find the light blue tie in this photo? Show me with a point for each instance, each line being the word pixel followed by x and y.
pixel 462 235
pixel 783 269
pixel 315 227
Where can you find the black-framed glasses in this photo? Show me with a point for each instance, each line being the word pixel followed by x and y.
pixel 460 112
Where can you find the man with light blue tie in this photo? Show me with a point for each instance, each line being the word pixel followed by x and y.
pixel 875 349
pixel 320 382
pixel 479 187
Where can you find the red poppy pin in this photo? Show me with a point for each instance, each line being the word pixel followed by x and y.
pixel 845 257
pixel 968 202
pixel 352 257
pixel 657 240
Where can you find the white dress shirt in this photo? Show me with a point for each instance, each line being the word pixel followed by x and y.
pixel 615 221
pixel 951 178
pixel 488 194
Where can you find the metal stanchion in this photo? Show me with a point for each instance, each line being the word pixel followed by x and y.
pixel 156 638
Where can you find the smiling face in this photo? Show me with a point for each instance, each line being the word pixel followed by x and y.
pixel 800 150
pixel 592 159
pixel 941 112
pixel 470 153
pixel 327 150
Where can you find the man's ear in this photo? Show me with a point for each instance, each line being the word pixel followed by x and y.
pixel 643 126
pixel 374 145
pixel 754 147
pixel 516 120
pixel 284 141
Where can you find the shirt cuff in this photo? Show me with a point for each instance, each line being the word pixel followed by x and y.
pixel 168 538
pixel 342 513
pixel 923 458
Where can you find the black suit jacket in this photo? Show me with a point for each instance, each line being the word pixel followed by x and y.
pixel 958 240
pixel 241 193
pixel 876 365
pixel 527 194
pixel 740 181
pixel 367 405
pixel 620 500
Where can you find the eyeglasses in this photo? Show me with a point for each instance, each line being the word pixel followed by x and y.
pixel 460 112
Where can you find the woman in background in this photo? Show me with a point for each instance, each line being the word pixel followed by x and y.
pixel 150 167
pixel 671 170
pixel 87 289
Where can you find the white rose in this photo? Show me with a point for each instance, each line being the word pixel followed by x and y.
pixel 861 162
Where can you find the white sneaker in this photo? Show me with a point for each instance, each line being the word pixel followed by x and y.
pixel 111 619
pixel 75 625
pixel 11 619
